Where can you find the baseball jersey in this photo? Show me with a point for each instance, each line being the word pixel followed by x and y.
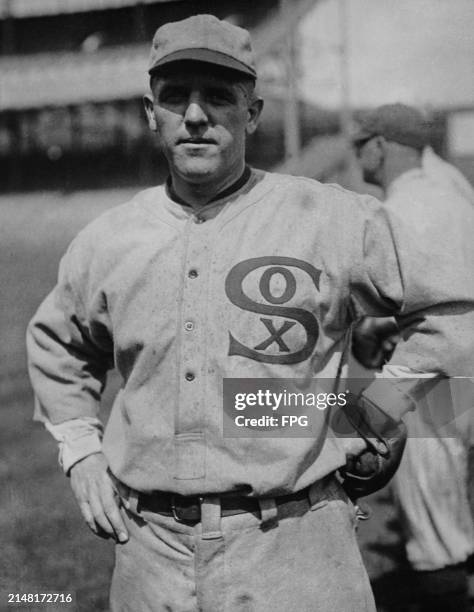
pixel 435 512
pixel 441 221
pixel 263 283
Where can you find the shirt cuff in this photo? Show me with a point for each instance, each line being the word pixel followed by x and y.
pixel 77 438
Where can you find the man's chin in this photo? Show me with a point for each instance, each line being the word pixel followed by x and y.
pixel 196 172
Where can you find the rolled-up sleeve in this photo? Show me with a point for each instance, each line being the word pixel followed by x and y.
pixel 76 438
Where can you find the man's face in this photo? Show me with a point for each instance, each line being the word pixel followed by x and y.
pixel 370 157
pixel 201 120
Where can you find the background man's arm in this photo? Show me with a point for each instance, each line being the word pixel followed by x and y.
pixel 432 305
pixel 394 280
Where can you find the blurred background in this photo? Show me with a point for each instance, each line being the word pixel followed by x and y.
pixel 73 75
pixel 74 142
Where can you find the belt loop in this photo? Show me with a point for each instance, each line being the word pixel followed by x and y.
pixel 211 517
pixel 317 498
pixel 268 512
pixel 131 502
pixel 128 497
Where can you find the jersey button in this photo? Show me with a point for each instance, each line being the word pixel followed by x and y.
pixel 190 376
pixel 193 273
pixel 189 326
pixel 199 219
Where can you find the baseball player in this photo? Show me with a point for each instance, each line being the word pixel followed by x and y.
pixel 428 195
pixel 223 272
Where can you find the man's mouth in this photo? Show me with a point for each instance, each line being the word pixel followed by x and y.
pixel 197 141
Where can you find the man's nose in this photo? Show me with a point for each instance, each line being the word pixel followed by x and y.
pixel 195 111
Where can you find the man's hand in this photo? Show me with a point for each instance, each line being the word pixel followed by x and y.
pixel 97 498
pixel 373 341
pixel 384 439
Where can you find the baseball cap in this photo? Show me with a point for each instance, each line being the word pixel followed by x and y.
pixel 203 38
pixel 396 122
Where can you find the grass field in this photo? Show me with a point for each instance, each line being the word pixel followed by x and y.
pixel 45 545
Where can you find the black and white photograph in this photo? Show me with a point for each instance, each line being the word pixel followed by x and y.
pixel 237 305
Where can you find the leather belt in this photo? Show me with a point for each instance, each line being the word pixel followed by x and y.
pixel 187 508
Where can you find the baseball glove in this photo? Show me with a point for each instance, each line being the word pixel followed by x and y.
pixel 371 470
pixel 373 341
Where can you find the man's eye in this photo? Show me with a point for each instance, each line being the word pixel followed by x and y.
pixel 218 96
pixel 175 96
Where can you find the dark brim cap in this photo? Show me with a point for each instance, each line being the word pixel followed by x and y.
pixel 399 123
pixel 203 38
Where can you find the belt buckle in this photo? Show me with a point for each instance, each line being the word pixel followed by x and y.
pixel 182 513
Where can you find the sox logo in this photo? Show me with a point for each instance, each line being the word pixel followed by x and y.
pixel 292 316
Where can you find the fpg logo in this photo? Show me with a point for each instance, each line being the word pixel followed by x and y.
pixel 283 267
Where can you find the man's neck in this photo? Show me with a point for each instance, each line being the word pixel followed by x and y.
pixel 398 166
pixel 198 195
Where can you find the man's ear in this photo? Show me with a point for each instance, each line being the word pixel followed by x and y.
pixel 150 113
pixel 254 110
pixel 381 143
pixel 379 148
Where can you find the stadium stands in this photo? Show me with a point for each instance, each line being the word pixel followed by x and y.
pixel 73 74
pixel 26 8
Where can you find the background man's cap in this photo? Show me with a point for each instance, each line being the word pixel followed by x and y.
pixel 396 122
pixel 203 38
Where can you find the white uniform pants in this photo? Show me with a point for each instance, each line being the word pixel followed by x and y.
pixel 304 558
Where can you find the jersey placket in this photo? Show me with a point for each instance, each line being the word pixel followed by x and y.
pixel 190 420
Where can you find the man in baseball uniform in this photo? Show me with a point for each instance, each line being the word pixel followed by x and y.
pixel 224 272
pixel 431 484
